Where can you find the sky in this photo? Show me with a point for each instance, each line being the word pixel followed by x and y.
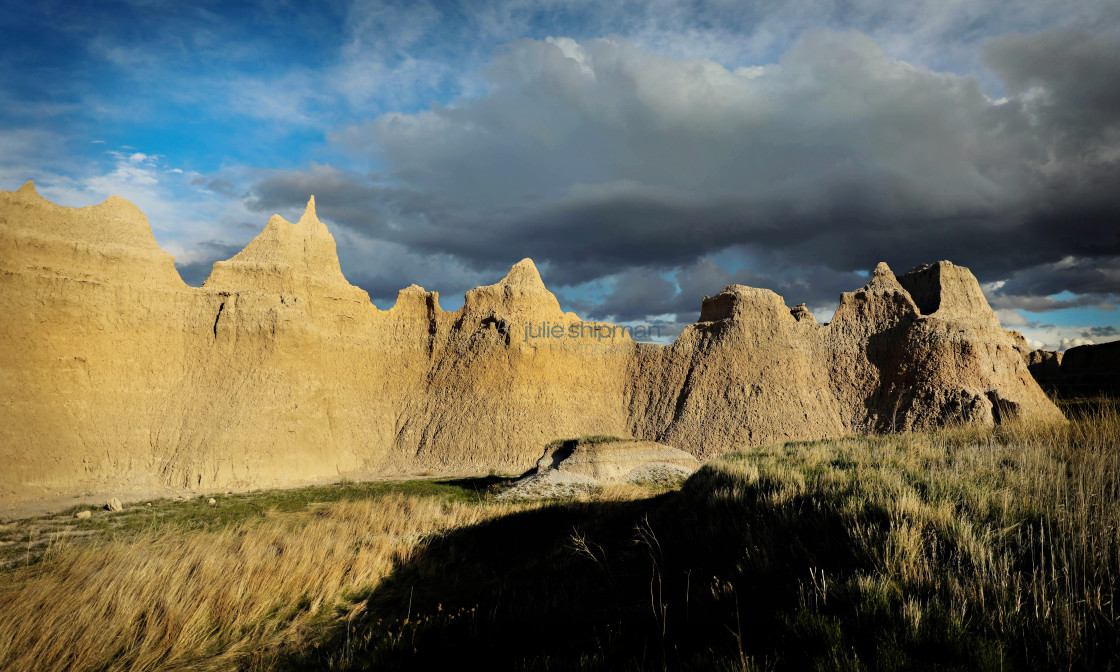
pixel 644 154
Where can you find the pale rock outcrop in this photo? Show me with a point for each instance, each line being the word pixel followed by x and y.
pixel 574 467
pixel 117 377
pixel 616 461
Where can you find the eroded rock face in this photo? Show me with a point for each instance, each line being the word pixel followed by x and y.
pixel 748 373
pixel 115 375
pixel 949 362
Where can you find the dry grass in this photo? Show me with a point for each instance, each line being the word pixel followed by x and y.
pixel 970 548
pixel 1003 543
pixel 167 597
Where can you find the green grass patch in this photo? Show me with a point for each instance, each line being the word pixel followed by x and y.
pixel 584 440
pixel 26 541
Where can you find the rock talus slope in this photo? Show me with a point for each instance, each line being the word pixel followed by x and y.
pixel 115 375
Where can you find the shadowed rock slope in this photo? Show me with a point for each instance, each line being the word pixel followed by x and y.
pixel 1082 371
pixel 117 377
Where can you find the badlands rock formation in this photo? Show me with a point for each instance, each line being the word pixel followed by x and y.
pixel 1086 370
pixel 116 376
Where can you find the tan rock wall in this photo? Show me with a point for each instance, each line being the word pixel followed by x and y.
pixel 114 374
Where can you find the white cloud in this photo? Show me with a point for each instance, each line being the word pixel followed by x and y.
pixel 1051 337
pixel 1067 343
pixel 1010 318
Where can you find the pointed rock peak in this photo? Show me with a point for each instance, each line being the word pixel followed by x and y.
pixel 879 304
pixel 28 189
pixel 119 202
pixel 524 274
pixel 288 258
pixel 124 210
pixel 883 279
pixel 309 212
pixel 521 293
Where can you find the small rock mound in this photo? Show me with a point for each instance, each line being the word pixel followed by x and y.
pixel 570 468
pixel 551 484
pixel 614 461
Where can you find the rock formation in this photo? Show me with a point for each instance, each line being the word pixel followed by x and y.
pixel 115 376
pixel 574 467
pixel 1083 371
pixel 616 461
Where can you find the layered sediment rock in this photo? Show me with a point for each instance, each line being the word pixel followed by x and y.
pixel 616 461
pixel 115 375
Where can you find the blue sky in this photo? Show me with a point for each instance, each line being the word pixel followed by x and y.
pixel 644 154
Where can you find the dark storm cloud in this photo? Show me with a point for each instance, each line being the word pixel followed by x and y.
pixel 607 162
pixel 1091 278
pixel 1069 79
pixel 1045 304
pixel 1101 332
pixel 639 292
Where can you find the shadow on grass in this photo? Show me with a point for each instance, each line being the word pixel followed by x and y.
pixel 734 571
pixel 714 576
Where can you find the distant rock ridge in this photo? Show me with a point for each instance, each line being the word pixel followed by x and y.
pixel 1081 371
pixel 116 376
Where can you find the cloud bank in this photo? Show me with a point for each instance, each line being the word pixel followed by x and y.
pixel 644 153
pixel 610 163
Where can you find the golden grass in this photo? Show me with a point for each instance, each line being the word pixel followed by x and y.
pixel 168 598
pixel 996 546
pixel 1015 529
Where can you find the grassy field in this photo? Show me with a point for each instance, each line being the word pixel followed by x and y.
pixel 972 548
pixel 29 540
